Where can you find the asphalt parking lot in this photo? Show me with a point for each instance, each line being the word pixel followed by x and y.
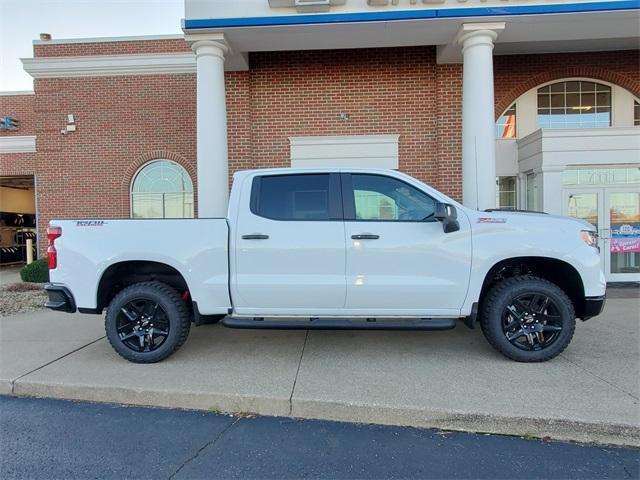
pixel 64 439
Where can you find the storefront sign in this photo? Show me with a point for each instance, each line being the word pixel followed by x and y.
pixel 625 238
pixel 317 6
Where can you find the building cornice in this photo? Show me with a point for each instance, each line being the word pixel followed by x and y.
pixel 18 144
pixel 134 38
pixel 17 93
pixel 110 65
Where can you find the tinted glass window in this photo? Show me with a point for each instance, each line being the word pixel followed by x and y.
pixel 293 197
pixel 384 198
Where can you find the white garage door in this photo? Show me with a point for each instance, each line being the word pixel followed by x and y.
pixel 371 151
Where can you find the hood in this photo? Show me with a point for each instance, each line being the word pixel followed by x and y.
pixel 525 217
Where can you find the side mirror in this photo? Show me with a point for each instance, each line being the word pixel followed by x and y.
pixel 447 215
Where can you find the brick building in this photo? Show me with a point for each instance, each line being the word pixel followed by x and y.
pixel 519 104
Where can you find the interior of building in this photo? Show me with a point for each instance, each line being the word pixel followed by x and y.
pixel 17 218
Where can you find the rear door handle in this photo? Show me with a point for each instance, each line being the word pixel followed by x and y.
pixel 365 236
pixel 255 236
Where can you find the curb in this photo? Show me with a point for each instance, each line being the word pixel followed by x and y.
pixel 554 428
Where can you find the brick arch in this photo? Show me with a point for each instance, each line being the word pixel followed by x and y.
pixel 158 155
pixel 627 82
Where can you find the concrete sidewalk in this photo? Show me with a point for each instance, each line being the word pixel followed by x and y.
pixel 449 380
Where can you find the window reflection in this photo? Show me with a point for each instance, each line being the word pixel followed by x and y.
pixel 507 192
pixel 506 124
pixel 162 189
pixel 574 104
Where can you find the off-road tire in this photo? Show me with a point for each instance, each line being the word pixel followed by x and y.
pixel 176 312
pixel 497 300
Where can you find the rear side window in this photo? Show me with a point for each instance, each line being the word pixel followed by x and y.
pixel 297 197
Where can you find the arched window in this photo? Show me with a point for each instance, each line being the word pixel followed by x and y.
pixel 162 189
pixel 506 124
pixel 574 104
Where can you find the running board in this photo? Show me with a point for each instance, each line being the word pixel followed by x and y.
pixel 341 323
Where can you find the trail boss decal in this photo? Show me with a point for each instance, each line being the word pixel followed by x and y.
pixel 90 223
pixel 492 220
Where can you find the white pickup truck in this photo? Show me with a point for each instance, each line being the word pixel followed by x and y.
pixel 331 249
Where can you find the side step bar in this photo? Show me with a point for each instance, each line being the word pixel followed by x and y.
pixel 341 323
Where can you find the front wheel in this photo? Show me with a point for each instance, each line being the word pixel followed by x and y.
pixel 528 319
pixel 146 322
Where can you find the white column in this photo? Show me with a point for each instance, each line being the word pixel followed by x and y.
pixel 549 190
pixel 478 121
pixel 212 152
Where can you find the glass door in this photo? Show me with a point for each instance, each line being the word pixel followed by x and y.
pixel 588 204
pixel 622 234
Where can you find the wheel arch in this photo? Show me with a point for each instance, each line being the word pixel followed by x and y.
pixel 124 273
pixel 557 271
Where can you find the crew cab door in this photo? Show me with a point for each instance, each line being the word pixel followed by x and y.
pixel 399 260
pixel 289 246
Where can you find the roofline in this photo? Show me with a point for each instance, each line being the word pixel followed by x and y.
pixel 133 38
pixel 10 93
pixel 415 14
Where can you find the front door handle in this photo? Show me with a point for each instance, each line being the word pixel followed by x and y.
pixel 255 236
pixel 365 236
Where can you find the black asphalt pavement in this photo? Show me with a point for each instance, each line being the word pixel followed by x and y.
pixel 63 439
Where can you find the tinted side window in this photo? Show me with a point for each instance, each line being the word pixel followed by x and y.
pixel 294 197
pixel 377 197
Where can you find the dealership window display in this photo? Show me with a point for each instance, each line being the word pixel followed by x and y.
pixel 162 189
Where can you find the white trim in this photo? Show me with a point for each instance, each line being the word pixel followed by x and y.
pixel 11 93
pixel 133 38
pixel 18 144
pixel 374 151
pixel 110 65
pixel 343 139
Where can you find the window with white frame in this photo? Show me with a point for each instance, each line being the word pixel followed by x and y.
pixel 636 113
pixel 162 189
pixel 574 104
pixel 507 192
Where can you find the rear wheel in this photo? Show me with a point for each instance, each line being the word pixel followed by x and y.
pixel 147 322
pixel 528 319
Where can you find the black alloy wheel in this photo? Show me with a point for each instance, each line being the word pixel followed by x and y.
pixel 532 321
pixel 142 325
pixel 146 322
pixel 527 319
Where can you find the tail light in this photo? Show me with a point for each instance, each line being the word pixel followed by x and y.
pixel 52 255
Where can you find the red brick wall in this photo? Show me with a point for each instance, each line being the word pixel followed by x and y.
pixel 46 49
pixel 384 91
pixel 20 107
pixel 123 122
pixel 515 74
